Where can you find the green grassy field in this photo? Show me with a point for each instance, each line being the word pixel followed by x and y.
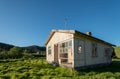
pixel 40 69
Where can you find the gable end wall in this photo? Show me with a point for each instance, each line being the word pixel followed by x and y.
pixel 55 39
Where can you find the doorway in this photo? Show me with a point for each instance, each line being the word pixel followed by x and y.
pixel 56 53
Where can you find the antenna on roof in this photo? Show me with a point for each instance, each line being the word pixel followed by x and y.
pixel 65 21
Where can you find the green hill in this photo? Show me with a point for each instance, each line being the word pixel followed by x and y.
pixel 117 51
pixel 30 49
pixel 4 46
pixel 10 51
pixel 34 48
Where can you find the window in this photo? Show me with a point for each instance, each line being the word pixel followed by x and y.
pixel 66 50
pixel 61 50
pixel 49 50
pixel 107 51
pixel 66 44
pixel 63 47
pixel 79 49
pixel 94 50
pixel 70 43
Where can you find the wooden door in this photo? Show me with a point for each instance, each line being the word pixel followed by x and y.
pixel 56 53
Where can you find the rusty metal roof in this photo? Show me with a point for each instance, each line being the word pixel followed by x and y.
pixel 78 33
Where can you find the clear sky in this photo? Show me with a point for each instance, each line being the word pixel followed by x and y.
pixel 29 22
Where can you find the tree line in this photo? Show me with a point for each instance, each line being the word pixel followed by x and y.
pixel 15 52
pixel 10 51
pixel 18 52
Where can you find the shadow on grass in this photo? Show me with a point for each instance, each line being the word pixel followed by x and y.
pixel 8 60
pixel 113 67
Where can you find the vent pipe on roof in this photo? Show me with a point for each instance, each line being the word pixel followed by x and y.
pixel 88 33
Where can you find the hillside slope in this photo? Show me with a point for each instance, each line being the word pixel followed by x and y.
pixel 30 49
pixel 4 46
pixel 34 48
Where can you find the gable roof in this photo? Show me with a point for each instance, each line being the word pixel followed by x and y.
pixel 75 32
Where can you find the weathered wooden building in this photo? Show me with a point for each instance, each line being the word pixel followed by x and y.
pixel 74 49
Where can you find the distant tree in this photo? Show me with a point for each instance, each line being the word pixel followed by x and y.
pixel 25 51
pixel 3 54
pixel 26 54
pixel 15 52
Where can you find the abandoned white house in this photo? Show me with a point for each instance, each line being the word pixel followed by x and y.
pixel 74 49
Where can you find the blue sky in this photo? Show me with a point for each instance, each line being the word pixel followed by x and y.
pixel 29 22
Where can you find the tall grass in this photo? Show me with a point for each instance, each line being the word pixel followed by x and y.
pixel 40 69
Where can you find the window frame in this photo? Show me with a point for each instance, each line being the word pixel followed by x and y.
pixel 64 46
pixel 94 50
pixel 107 52
pixel 79 49
pixel 49 50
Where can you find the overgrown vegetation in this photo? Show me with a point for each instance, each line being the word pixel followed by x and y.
pixel 12 52
pixel 20 63
pixel 40 69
